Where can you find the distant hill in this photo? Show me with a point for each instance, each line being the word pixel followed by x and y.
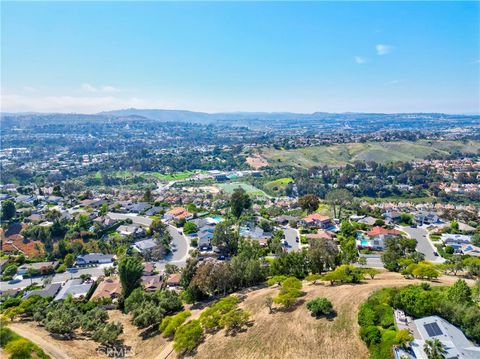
pixel 382 152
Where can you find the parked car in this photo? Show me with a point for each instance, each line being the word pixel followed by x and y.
pixel 435 254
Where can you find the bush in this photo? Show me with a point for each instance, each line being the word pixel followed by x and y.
pixel 20 348
pixel 370 335
pixel 234 320
pixel 320 306
pixel 187 337
pixel 171 323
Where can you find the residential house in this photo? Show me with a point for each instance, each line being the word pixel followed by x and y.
pixel 110 287
pixel 318 220
pixel 145 245
pixel 455 240
pixel 130 230
pixel 39 267
pixel 94 258
pixel 470 250
pixel 49 291
pixel 424 217
pixel 369 221
pixel 177 214
pixel 173 280
pixel 321 234
pixel 375 238
pixel 152 282
pixel 392 216
pixel 454 341
pixel 148 269
pixel 75 287
pixel 285 219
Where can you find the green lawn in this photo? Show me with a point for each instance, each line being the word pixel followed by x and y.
pixel 278 184
pixel 172 176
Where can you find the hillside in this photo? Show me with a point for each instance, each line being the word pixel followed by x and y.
pixel 382 152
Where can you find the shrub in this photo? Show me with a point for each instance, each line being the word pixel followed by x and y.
pixel 320 306
pixel 187 337
pixel 20 348
pixel 171 323
pixel 234 320
pixel 370 335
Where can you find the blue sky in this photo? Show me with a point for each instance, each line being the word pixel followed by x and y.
pixel 302 57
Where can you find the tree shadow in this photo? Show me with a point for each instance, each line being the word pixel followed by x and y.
pixel 149 332
pixel 330 316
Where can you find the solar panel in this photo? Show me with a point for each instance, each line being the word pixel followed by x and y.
pixel 433 329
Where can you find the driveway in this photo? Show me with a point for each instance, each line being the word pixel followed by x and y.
pixel 423 243
pixel 290 236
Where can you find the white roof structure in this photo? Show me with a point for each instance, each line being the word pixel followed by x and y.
pixel 452 338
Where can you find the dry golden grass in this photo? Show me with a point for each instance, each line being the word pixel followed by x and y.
pixel 296 334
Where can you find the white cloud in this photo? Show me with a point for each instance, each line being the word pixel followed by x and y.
pixel 360 60
pixel 108 88
pixel 29 89
pixel 393 82
pixel 88 88
pixel 383 49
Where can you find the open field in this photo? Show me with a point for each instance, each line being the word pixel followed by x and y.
pixel 296 334
pixel 282 334
pixel 278 184
pixel 251 190
pixel 382 152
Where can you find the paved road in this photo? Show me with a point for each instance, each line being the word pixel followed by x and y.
pixel 373 260
pixel 56 278
pixel 423 243
pixel 290 236
pixel 181 245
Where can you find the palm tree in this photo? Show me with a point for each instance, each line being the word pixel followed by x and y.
pixel 434 349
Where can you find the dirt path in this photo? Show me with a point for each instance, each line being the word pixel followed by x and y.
pixel 53 350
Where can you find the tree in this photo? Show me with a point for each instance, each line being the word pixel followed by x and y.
pixel 130 270
pixel 69 260
pixel 171 323
pixel 269 303
pixel 225 238
pixel 338 198
pixel 403 337
pixel 309 203
pixel 322 255
pixel 372 272
pixel 362 261
pixel 147 196
pixel 239 202
pixel 290 290
pixel 460 292
pixel 434 349
pixel 234 320
pixel 8 210
pixel 320 306
pixel 108 333
pixel 20 348
pixel 187 337
pixel 344 274
pixel 189 228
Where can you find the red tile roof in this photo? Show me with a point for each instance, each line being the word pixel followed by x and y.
pixel 378 231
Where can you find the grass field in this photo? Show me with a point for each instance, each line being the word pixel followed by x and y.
pixel 172 176
pixel 251 190
pixel 278 184
pixel 382 152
